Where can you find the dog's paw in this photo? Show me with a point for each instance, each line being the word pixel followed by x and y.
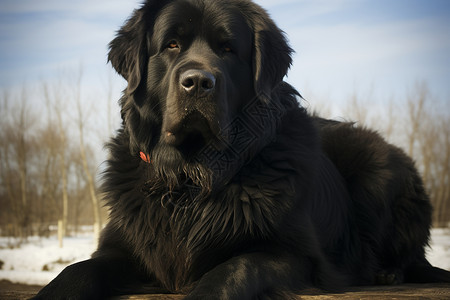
pixel 389 277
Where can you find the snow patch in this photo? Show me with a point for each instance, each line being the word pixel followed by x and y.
pixel 439 253
pixel 39 260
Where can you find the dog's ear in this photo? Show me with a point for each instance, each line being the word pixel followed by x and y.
pixel 127 52
pixel 271 53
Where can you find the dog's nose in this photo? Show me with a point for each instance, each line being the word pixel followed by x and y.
pixel 198 82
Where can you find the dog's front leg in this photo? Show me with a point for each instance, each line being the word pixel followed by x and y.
pixel 251 276
pixel 95 278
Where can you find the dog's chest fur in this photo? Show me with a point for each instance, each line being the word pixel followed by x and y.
pixel 201 233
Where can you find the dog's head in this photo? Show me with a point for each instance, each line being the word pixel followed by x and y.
pixel 191 67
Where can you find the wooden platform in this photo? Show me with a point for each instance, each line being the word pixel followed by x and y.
pixel 406 291
pixel 9 291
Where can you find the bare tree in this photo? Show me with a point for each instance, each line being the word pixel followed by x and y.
pixel 356 108
pixel 48 177
pixel 390 122
pixel 416 101
pixel 54 96
pixel 434 149
pixel 44 172
pixel 15 155
pixel 419 124
pixel 428 143
pixel 81 120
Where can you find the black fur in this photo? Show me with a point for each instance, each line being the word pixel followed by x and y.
pixel 245 195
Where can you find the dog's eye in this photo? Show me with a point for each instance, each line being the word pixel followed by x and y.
pixel 173 45
pixel 227 48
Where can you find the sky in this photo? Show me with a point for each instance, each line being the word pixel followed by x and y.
pixel 342 46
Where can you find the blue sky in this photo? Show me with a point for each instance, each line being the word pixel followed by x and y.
pixel 341 45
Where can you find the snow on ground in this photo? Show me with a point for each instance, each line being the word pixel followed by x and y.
pixel 439 254
pixel 39 260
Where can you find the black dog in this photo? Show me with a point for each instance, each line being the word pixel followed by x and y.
pixel 220 186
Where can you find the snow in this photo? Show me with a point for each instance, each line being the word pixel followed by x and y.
pixel 39 260
pixel 439 254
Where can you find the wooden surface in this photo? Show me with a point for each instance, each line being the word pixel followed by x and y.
pixel 406 291
pixel 9 291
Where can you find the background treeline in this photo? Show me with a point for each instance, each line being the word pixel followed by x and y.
pixel 51 154
pixel 51 150
pixel 417 122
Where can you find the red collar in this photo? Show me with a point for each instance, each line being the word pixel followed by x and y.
pixel 145 157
